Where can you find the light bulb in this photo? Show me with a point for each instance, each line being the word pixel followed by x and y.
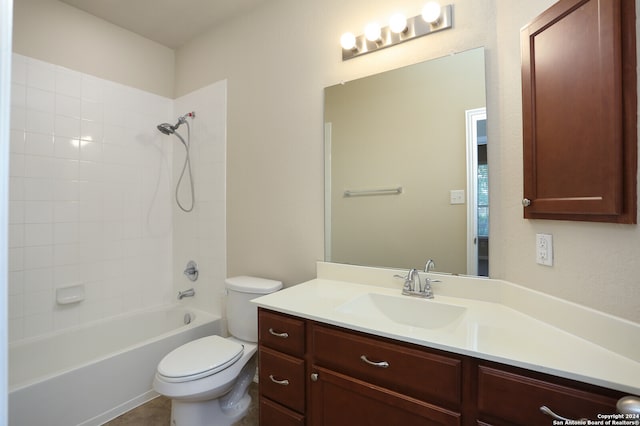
pixel 372 31
pixel 431 12
pixel 398 23
pixel 348 41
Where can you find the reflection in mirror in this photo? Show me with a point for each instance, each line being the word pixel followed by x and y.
pixel 406 169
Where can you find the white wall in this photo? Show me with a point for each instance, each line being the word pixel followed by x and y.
pixel 200 235
pixel 90 198
pixel 6 14
pixel 123 236
pixel 279 58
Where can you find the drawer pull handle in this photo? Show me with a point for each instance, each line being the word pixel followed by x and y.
pixel 546 410
pixel 381 364
pixel 284 382
pixel 314 377
pixel 275 333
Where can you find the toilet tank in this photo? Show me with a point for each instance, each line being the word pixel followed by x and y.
pixel 242 315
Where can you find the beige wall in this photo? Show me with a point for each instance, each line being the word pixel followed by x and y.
pixel 403 128
pixel 279 58
pixel 63 35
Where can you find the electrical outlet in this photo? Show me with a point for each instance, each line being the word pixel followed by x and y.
pixel 544 249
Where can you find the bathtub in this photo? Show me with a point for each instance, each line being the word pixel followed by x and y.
pixel 91 374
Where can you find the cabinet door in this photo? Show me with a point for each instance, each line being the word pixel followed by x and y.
pixel 340 400
pixel 579 112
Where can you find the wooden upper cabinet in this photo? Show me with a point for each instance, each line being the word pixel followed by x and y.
pixel 579 112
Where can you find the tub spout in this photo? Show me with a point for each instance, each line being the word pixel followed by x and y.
pixel 187 293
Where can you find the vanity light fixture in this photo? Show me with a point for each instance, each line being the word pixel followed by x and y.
pixel 372 32
pixel 398 23
pixel 348 41
pixel 431 12
pixel 433 18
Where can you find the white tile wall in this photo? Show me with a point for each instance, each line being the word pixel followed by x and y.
pixel 201 234
pixel 90 198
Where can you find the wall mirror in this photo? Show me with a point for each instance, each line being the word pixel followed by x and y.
pixel 406 167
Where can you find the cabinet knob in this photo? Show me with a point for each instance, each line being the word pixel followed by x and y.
pixel 526 202
pixel 629 405
pixel 314 377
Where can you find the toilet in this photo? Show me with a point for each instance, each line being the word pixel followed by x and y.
pixel 208 379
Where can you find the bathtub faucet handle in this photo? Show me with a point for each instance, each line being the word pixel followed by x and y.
pixel 192 270
pixel 187 293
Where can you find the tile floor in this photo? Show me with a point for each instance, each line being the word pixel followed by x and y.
pixel 157 412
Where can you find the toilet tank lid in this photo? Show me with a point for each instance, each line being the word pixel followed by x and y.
pixel 245 284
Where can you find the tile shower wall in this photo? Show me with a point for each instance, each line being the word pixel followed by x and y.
pixel 90 198
pixel 201 234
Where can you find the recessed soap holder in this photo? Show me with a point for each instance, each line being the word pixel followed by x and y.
pixel 70 294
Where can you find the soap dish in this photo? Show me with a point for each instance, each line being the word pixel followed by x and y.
pixel 70 294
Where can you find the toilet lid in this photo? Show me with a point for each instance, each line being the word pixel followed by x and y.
pixel 199 358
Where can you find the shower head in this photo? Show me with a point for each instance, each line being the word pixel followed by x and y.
pixel 166 128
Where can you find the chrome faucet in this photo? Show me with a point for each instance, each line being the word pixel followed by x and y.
pixel 413 281
pixel 187 293
pixel 413 286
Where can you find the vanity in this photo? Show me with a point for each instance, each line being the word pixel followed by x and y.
pixel 348 349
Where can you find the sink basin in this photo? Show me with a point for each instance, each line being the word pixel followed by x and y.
pixel 421 313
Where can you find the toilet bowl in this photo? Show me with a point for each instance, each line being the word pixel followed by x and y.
pixel 207 379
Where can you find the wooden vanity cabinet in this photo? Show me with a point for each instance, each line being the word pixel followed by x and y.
pixel 579 112
pixel 281 369
pixel 340 377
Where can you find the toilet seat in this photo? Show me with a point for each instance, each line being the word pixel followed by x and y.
pixel 199 358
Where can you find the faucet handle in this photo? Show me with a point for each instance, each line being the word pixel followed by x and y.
pixel 192 270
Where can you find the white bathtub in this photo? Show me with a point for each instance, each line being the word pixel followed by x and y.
pixel 91 374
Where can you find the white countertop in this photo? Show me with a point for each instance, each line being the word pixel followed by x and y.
pixel 538 338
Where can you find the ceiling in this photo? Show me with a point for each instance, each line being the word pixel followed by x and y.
pixel 168 22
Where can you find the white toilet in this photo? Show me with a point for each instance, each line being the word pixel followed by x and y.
pixel 207 379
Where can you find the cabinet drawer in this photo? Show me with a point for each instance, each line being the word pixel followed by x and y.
pixel 282 378
pixel 516 400
pixel 413 372
pixel 281 332
pixel 272 414
pixel 340 400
